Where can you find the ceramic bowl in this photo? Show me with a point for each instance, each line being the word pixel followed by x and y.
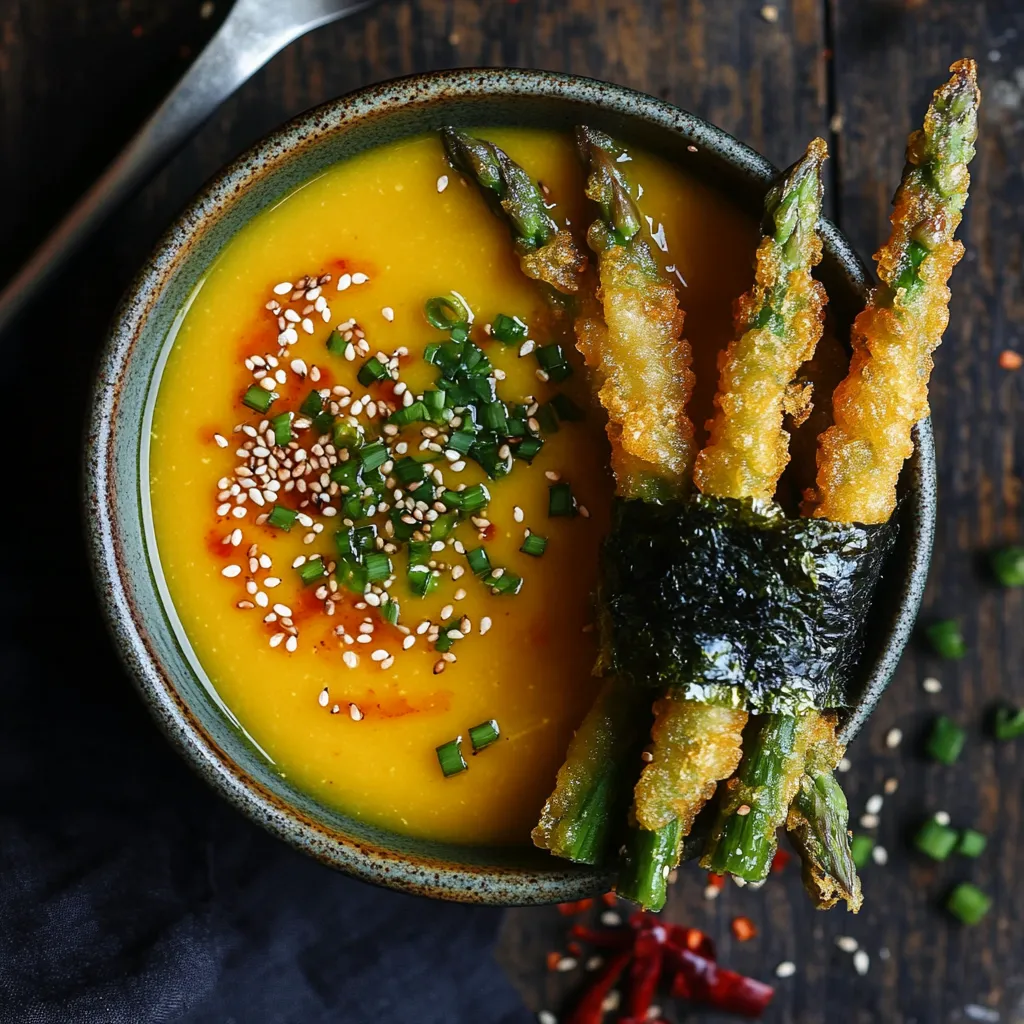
pixel 140 613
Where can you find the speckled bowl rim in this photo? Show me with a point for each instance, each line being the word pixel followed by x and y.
pixel 426 874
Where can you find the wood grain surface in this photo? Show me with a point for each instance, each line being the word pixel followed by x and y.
pixel 76 76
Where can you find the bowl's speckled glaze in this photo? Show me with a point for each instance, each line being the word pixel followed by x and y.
pixel 132 591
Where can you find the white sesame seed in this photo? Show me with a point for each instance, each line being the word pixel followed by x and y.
pixel 874 804
pixel 869 821
pixel 354 713
pixel 880 855
pixel 610 919
pixel 527 347
pixel 359 278
pixel 567 963
pixel 941 817
pixel 271 582
pixel 893 738
pixel 485 624
pixel 408 642
pixel 847 943
pixel 344 281
pixel 261 599
pixel 379 655
pixel 442 183
pixel 222 442
pixel 275 640
pixel 786 969
pixel 844 765
pixel 283 288
pixel 890 786
pixel 446 611
pixel 546 1017
pixel 460 594
pixel 861 962
pixel 235 537
pixel 283 609
pixel 517 514
pixel 388 313
pixel 324 699
pixel 711 892
pixel 931 685
pixel 231 571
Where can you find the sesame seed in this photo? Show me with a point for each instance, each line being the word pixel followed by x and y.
pixel 261 599
pixel 379 655
pixel 874 804
pixel 344 281
pixel 880 855
pixel 446 611
pixel 890 786
pixel 869 821
pixel 941 817
pixel 283 609
pixel 354 713
pixel 350 658
pixel 567 963
pixel 847 943
pixel 931 685
pixel 359 278
pixel 743 810
pixel 442 183
pixel 610 919
pixel 593 963
pixel 893 738
pixel 408 642
pixel 770 13
pixel 271 582
pixel 388 313
pixel 584 511
pixel 485 624
pixel 711 892
pixel 553 475
pixel 276 639
pixel 222 442
pixel 460 594
pixel 439 666
pixel 324 699
pixel 844 765
pixel 527 347
pixel 546 1017
pixel 517 514
pixel 231 571
pixel 786 969
pixel 861 962
pixel 283 288
pixel 646 756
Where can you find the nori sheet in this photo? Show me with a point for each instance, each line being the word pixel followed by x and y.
pixel 736 604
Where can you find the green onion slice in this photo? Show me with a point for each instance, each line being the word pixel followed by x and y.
pixel 968 903
pixel 1009 723
pixel 447 311
pixel 972 843
pixel 374 455
pixel 449 756
pixel 860 849
pixel 509 330
pixel 312 404
pixel 946 740
pixel 282 427
pixel 534 545
pixel 1008 566
pixel 259 399
pixel 946 638
pixel 484 734
pixel 935 839
pixel 479 562
pixel 378 566
pixel 560 500
pixel 281 517
pixel 373 371
pixel 311 570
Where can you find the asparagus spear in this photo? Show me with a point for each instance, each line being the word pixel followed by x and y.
pixel 546 252
pixel 886 390
pixel 817 825
pixel 779 323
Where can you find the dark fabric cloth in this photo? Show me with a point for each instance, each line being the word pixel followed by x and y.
pixel 129 891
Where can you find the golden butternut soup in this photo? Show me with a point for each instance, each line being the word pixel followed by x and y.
pixel 356 600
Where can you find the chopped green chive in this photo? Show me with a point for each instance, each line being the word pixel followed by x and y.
pixel 434 402
pixel 281 517
pixel 472 499
pixel 507 583
pixel 258 398
pixel 1008 566
pixel 972 843
pixel 323 423
pixel 534 545
pixel 946 638
pixel 345 435
pixel 461 441
pixel 373 371
pixel 860 850
pixel 409 470
pixel 446 312
pixel 484 734
pixel 449 756
pixel 282 427
pixel 553 362
pixel 528 448
pixel 312 404
pixel 422 580
pixel 446 637
pixel 352 575
pixel 560 500
pixel 968 903
pixel 479 562
pixel 509 330
pixel 1009 723
pixel 311 570
pixel 946 740
pixel 374 455
pixel 935 839
pixel 566 408
pixel 494 416
pixel 336 343
pixel 378 566
pixel 390 611
pixel 409 414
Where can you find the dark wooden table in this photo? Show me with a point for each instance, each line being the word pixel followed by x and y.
pixel 77 76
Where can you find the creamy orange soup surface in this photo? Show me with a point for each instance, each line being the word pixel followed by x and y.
pixel 349 706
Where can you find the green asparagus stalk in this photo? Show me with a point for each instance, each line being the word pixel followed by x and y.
pixel 817 826
pixel 546 252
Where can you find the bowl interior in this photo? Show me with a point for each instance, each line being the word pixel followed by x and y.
pixel 141 614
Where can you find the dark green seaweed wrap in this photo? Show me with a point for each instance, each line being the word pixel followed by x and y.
pixel 733 603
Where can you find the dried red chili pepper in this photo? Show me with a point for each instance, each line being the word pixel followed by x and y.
pixel 590 1008
pixel 702 981
pixel 644 973
pixel 604 938
pixel 780 860
pixel 576 907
